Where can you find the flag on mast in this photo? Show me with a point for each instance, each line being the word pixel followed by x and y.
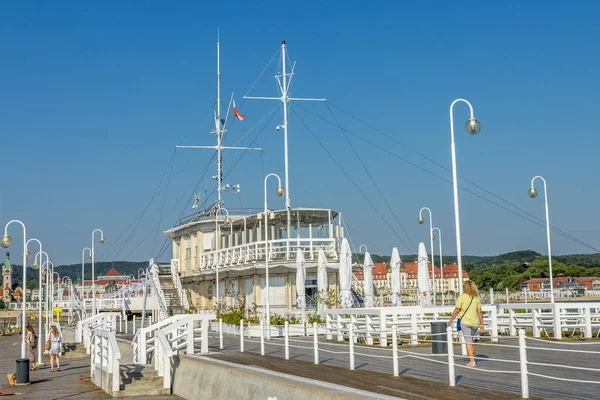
pixel 236 113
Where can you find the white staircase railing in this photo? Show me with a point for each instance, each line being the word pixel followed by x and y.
pixel 177 283
pixel 85 328
pixel 155 284
pixel 144 341
pixel 105 360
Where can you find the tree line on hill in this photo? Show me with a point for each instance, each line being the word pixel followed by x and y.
pixel 499 272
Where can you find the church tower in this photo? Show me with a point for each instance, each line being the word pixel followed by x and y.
pixel 7 278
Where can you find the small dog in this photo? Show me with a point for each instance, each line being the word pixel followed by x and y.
pixel 12 378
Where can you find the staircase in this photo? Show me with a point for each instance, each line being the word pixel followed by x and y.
pixel 171 294
pixel 140 380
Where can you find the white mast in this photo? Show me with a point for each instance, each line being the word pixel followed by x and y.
pixel 219 132
pixel 284 80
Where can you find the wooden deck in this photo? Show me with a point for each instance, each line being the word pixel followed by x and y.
pixel 48 385
pixel 421 378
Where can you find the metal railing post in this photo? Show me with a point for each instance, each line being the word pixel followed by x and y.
pixel 286 334
pixel 190 337
pixel 262 337
pixel 221 333
pixel 133 331
pixel 351 344
pixel 316 343
pixel 451 371
pixel 523 362
pixel 204 343
pixel 395 350
pixel 241 335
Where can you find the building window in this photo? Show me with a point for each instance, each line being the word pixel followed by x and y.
pixel 188 253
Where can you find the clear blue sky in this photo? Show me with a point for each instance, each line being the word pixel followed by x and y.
pixel 94 97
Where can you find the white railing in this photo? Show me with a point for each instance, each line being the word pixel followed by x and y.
pixel 281 249
pixel 514 358
pixel 413 321
pixel 177 283
pixel 144 341
pixel 85 328
pixel 155 284
pixel 550 319
pixel 105 360
pixel 163 358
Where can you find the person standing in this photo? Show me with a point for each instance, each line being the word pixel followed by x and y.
pixel 55 348
pixel 468 306
pixel 32 343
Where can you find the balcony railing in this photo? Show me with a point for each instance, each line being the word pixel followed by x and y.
pixel 278 250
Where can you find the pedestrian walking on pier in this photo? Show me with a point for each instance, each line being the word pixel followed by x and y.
pixel 468 306
pixel 55 348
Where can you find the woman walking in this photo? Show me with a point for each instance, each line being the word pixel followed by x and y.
pixel 55 348
pixel 468 306
pixel 32 342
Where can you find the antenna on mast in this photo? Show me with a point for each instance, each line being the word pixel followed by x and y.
pixel 219 133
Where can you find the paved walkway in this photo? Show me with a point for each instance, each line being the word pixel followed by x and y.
pixel 48 385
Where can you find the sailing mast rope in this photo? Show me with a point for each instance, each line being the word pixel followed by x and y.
pixel 372 179
pixel 529 217
pixel 353 182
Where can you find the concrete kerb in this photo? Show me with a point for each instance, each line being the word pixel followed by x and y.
pixel 212 379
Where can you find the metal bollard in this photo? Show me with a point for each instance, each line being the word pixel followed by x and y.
pixel 451 371
pixel 316 343
pixel 262 337
pixel 241 335
pixel 221 333
pixel 351 342
pixel 523 362
pixel 286 335
pixel 395 350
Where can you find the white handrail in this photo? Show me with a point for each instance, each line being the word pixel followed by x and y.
pixel 178 285
pixel 155 282
pixel 105 358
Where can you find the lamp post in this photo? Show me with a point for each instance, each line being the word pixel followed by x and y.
pixel 218 244
pixel 533 193
pixel 6 242
pixel 83 268
pixel 93 272
pixel 46 267
pixel 37 266
pixel 54 284
pixel 420 220
pixel 280 191
pixel 473 127
pixel 441 261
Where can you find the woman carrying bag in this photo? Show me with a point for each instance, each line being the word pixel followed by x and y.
pixel 32 343
pixel 468 306
pixel 53 345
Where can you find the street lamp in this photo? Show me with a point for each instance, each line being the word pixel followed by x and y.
pixel 441 262
pixel 54 284
pixel 83 269
pixel 218 243
pixel 420 220
pixel 36 266
pixel 533 193
pixel 6 242
pixel 93 272
pixel 280 191
pixel 47 274
pixel 472 127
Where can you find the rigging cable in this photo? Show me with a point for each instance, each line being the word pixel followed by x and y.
pixel 372 179
pixel 542 223
pixel 555 229
pixel 351 180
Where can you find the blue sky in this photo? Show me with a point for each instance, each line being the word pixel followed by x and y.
pixel 94 98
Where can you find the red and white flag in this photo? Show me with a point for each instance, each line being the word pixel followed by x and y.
pixel 236 113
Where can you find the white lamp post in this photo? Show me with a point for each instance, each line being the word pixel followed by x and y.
pixel 93 272
pixel 533 193
pixel 46 268
pixel 37 266
pixel 218 244
pixel 6 242
pixel 420 220
pixel 83 268
pixel 473 127
pixel 280 191
pixel 54 284
pixel 441 261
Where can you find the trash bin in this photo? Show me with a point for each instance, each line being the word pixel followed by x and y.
pixel 439 344
pixel 22 370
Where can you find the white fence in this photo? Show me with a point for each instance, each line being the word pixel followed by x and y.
pixel 85 328
pixel 105 360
